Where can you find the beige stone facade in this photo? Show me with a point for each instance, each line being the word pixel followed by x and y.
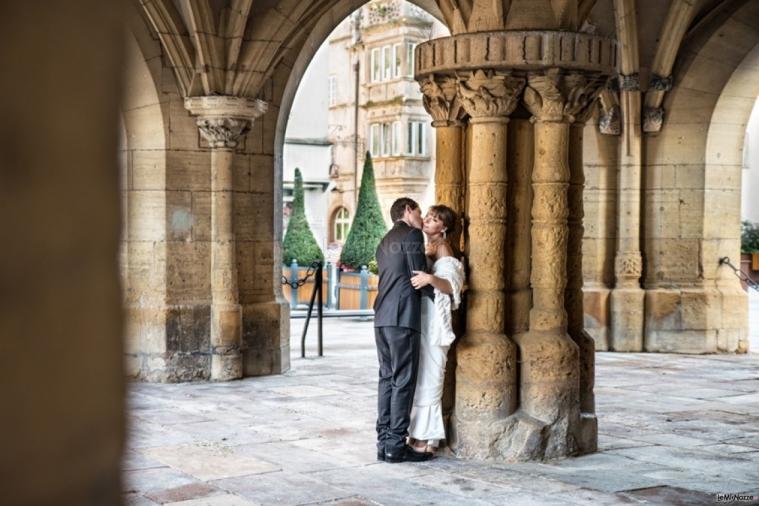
pixel 201 202
pixel 376 106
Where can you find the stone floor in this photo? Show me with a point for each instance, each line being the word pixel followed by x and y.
pixel 673 430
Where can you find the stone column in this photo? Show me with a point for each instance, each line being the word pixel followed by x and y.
pixel 550 371
pixel 486 379
pixel 627 296
pixel 223 121
pixel 441 102
pixel 573 294
pixel 500 413
pixel 440 99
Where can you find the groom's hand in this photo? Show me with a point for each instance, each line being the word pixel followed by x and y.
pixel 420 279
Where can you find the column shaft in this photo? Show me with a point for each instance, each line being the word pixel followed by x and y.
pixel 627 297
pixel 226 315
pixel 521 160
pixel 449 174
pixel 574 294
pixel 486 374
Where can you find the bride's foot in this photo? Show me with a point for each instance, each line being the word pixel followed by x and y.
pixel 420 446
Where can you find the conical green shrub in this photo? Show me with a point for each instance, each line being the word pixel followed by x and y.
pixel 299 242
pixel 368 226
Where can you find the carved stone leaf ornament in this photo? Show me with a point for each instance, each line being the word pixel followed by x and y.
pixel 486 94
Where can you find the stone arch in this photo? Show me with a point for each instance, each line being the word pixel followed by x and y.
pixel 301 57
pixel 692 187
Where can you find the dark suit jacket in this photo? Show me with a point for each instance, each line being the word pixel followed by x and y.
pixel 398 304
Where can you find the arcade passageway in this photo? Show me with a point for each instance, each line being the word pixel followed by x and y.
pixel 671 428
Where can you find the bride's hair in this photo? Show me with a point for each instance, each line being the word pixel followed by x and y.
pixel 446 215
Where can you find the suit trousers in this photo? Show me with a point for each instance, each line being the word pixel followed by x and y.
pixel 398 354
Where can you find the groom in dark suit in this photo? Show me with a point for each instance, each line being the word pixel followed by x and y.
pixel 397 327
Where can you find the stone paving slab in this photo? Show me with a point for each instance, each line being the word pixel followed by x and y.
pixel 673 429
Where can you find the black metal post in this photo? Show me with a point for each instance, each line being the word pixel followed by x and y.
pixel 320 283
pixel 308 320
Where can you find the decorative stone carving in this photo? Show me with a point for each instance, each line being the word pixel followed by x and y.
pixel 552 96
pixel 629 83
pixel 441 101
pixel 628 265
pixel 518 51
pixel 610 120
pixel 223 132
pixel 660 83
pixel 489 94
pixel 223 120
pixel 653 119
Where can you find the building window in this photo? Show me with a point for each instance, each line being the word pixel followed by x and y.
pixel 397 55
pixel 410 46
pixel 332 90
pixel 341 225
pixel 375 140
pixel 387 64
pixel 396 138
pixel 375 65
pixel 416 139
pixel 385 139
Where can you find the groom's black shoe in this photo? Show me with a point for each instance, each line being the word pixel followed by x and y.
pixel 406 454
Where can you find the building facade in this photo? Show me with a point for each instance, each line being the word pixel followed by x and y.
pixel 375 105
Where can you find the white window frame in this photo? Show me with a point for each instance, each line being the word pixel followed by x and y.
pixel 332 90
pixel 387 139
pixel 387 63
pixel 397 61
pixel 422 138
pixel 375 139
pixel 342 224
pixel 375 65
pixel 416 138
pixel 410 47
pixel 396 138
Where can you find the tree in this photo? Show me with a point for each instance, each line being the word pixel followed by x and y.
pixel 368 226
pixel 299 242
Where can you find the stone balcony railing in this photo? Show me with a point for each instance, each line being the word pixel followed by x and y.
pixel 386 11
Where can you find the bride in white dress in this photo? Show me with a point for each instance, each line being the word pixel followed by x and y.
pixel 447 277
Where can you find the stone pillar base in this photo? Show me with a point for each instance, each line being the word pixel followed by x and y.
pixel 550 389
pixel 266 338
pixel 626 319
pixel 596 320
pixel 697 320
pixel 227 366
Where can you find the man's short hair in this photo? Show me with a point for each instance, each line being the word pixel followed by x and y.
pixel 399 208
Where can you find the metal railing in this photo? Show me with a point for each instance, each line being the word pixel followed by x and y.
pixel 316 270
pixel 741 275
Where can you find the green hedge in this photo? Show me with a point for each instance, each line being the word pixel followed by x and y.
pixel 368 226
pixel 299 242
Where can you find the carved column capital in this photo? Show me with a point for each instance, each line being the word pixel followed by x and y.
pixel 628 266
pixel 629 83
pixel 653 119
pixel 223 120
pixel 555 97
pixel 440 99
pixel 610 121
pixel 489 94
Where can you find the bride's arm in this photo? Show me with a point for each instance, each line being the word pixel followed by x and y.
pixel 422 279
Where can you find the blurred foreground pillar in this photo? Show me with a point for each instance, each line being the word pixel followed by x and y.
pixel 61 380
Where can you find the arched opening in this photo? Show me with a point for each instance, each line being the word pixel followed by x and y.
pixel 352 91
pixel 692 218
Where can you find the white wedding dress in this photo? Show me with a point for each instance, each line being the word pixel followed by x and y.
pixel 437 336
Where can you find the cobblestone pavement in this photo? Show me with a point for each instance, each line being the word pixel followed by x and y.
pixel 673 429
